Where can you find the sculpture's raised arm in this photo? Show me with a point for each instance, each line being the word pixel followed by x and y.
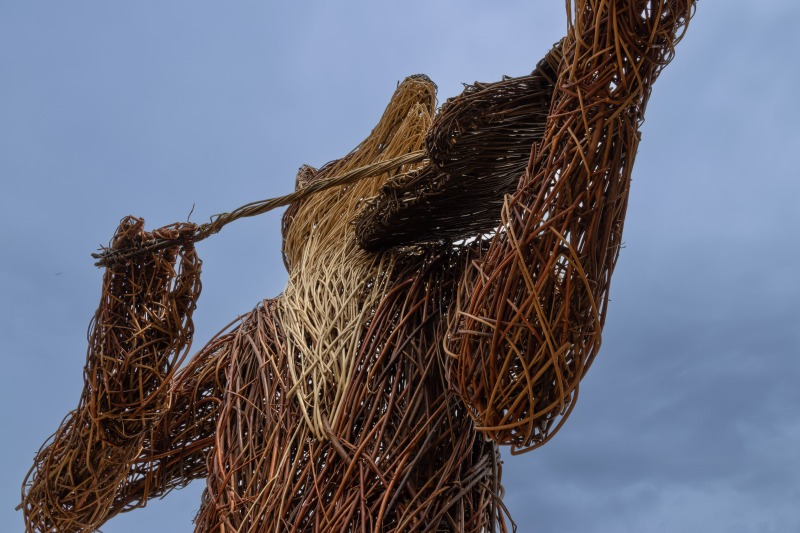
pixel 88 470
pixel 530 309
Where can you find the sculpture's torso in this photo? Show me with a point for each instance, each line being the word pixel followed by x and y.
pixel 401 455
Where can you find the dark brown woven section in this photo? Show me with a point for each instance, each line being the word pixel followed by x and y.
pixel 478 145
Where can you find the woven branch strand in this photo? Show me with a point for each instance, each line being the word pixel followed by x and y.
pixel 109 256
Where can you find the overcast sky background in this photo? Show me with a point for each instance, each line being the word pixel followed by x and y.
pixel 689 420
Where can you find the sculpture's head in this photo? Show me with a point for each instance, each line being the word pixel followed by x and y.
pixel 327 215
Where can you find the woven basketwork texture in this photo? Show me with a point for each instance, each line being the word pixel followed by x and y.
pixel 372 394
pixel 532 307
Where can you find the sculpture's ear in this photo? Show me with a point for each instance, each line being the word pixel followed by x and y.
pixel 304 174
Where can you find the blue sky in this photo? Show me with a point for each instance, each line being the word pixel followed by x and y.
pixel 688 420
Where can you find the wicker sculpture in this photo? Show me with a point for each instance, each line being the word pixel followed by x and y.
pixel 432 313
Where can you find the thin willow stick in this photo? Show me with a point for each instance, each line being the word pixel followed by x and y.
pixel 108 256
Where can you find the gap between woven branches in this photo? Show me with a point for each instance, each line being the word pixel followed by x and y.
pixel 109 256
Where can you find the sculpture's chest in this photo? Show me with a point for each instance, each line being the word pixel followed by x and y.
pixel 400 454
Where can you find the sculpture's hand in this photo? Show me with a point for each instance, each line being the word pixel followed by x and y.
pixel 141 329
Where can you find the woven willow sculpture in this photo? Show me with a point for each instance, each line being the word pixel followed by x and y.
pixel 432 313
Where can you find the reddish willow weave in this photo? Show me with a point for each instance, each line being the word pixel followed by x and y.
pixel 532 307
pixel 447 348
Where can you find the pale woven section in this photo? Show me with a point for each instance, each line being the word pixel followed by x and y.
pixel 333 283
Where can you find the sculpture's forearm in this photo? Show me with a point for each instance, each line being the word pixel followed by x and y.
pixel 140 331
pixel 531 309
